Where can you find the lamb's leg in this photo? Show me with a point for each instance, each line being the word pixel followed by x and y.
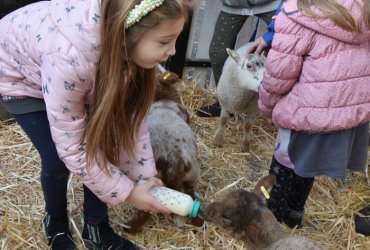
pixel 344 182
pixel 251 112
pixel 173 178
pixel 137 223
pixel 248 122
pixel 189 188
pixel 224 117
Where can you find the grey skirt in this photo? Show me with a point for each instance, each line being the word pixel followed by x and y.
pixel 330 154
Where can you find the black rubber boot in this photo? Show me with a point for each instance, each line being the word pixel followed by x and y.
pixel 280 191
pixel 362 221
pixel 301 188
pixel 213 110
pixel 57 233
pixel 293 218
pixel 102 237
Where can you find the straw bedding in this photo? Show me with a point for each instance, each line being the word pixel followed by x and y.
pixel 330 209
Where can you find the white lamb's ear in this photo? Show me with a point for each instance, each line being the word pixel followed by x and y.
pixel 234 55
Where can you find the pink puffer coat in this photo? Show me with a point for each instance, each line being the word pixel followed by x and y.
pixel 49 50
pixel 317 75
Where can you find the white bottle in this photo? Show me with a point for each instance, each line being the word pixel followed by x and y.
pixel 175 201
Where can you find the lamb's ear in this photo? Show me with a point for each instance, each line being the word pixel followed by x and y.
pixel 167 77
pixel 266 183
pixel 184 113
pixel 233 54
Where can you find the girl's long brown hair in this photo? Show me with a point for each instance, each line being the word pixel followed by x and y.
pixel 337 13
pixel 123 91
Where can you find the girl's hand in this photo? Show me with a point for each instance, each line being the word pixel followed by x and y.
pixel 257 46
pixel 269 121
pixel 143 200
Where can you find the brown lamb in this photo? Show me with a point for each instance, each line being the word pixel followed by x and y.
pixel 173 144
pixel 245 216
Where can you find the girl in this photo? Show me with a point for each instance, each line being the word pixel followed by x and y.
pixel 316 89
pixel 79 78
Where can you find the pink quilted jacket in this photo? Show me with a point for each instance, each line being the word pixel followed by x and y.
pixel 317 75
pixel 49 50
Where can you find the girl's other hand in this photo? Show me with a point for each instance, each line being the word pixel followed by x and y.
pixel 269 121
pixel 257 46
pixel 141 199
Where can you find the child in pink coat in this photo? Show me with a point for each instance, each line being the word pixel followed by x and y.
pixel 316 89
pixel 79 78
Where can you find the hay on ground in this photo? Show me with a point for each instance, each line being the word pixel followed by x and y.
pixel 330 209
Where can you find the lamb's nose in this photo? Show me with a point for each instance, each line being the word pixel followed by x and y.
pixel 202 214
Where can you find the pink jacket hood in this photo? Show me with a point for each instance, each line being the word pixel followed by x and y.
pixel 327 27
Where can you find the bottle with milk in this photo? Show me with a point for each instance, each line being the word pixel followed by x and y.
pixel 175 201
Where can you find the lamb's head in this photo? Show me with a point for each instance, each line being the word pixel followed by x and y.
pixel 249 62
pixel 167 77
pixel 167 96
pixel 245 216
pixel 165 88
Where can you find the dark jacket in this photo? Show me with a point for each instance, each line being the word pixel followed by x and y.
pixel 7 6
pixel 244 3
pixel 269 34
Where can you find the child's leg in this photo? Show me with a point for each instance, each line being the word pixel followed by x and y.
pixel 225 33
pixel 54 173
pixel 280 191
pixel 288 197
pixel 97 233
pixel 362 221
pixel 54 178
pixel 301 188
pixel 95 211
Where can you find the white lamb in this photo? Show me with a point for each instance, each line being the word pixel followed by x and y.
pixel 237 91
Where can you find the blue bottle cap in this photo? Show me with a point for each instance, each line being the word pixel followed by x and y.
pixel 195 210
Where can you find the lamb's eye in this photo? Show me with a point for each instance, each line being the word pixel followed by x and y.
pixel 249 66
pixel 227 221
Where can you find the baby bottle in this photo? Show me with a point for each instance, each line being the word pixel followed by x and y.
pixel 175 201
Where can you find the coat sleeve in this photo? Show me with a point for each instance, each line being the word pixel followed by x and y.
pixel 143 166
pixel 65 88
pixel 269 34
pixel 283 67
